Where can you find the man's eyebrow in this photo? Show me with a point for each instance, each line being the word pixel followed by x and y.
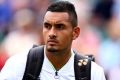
pixel 46 23
pixel 59 24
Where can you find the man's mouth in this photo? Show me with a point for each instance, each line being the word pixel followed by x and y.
pixel 52 42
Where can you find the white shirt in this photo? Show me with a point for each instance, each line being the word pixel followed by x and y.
pixel 15 66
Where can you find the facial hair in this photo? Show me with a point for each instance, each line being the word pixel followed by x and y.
pixel 52 50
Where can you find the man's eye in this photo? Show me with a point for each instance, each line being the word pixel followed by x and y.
pixel 59 26
pixel 47 26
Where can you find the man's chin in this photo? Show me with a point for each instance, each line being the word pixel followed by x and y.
pixel 51 49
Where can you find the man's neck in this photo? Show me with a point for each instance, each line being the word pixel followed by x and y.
pixel 58 59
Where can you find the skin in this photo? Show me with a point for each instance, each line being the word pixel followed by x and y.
pixel 58 34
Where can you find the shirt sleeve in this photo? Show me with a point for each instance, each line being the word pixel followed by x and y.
pixel 13 68
pixel 97 72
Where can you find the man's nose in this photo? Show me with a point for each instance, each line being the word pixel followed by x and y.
pixel 52 33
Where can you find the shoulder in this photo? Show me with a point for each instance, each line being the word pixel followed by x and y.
pixel 14 66
pixel 18 58
pixel 97 71
pixel 95 66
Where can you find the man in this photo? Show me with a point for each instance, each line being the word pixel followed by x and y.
pixel 59 30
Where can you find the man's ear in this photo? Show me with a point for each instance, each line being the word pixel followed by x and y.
pixel 76 32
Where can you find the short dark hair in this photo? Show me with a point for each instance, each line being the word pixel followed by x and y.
pixel 65 6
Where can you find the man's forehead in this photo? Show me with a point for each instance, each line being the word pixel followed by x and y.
pixel 56 17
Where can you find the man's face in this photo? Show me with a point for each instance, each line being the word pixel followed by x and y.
pixel 58 32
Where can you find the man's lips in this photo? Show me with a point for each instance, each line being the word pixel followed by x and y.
pixel 52 41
